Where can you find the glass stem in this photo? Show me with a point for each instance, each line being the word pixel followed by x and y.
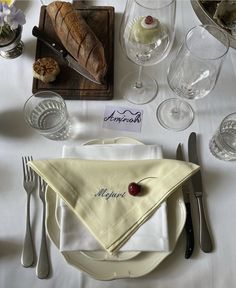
pixel 138 83
pixel 176 111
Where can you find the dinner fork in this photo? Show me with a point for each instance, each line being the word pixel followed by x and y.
pixel 43 267
pixel 27 257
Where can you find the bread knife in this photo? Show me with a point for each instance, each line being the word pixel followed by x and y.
pixel 60 50
pixel 205 239
pixel 188 223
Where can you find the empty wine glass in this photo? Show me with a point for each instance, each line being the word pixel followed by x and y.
pixel 146 36
pixel 193 74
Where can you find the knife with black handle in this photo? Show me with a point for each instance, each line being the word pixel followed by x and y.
pixel 204 235
pixel 61 51
pixel 188 223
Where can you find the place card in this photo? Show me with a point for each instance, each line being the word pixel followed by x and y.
pixel 123 118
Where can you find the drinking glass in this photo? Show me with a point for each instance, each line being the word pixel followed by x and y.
pixel 146 35
pixel 193 74
pixel 46 112
pixel 223 143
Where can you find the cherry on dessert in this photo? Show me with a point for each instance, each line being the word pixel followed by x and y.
pixel 149 20
pixel 134 189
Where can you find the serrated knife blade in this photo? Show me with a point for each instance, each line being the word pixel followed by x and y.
pixel 188 224
pixel 204 235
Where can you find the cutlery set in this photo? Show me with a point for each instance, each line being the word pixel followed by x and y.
pixel 194 185
pixel 27 258
pixel 205 241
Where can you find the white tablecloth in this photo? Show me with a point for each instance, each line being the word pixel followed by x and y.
pixel 214 270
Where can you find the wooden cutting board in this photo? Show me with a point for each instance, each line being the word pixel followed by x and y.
pixel 69 84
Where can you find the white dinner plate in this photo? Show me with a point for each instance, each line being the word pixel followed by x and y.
pixel 118 140
pixel 131 264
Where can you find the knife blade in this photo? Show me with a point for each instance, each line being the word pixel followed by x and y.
pixel 60 50
pixel 188 224
pixel 204 235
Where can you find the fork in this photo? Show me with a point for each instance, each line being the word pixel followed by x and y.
pixel 27 257
pixel 43 267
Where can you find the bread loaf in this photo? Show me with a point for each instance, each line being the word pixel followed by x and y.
pixel 78 38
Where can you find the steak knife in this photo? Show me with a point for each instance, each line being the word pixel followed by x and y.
pixel 204 235
pixel 188 224
pixel 60 50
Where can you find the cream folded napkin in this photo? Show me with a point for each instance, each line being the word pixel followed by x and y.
pixel 151 236
pixel 97 192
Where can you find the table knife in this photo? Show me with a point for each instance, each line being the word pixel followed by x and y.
pixel 60 50
pixel 204 235
pixel 188 224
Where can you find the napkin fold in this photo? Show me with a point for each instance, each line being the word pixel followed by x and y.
pixel 151 236
pixel 97 192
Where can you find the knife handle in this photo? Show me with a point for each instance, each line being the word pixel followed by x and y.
pixel 189 232
pixel 49 42
pixel 205 239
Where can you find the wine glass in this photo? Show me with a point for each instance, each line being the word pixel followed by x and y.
pixel 146 36
pixel 193 74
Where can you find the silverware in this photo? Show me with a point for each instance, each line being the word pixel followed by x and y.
pixel 60 50
pixel 27 257
pixel 188 224
pixel 43 266
pixel 205 239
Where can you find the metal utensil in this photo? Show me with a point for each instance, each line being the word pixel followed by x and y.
pixel 205 239
pixel 188 224
pixel 43 266
pixel 27 257
pixel 69 60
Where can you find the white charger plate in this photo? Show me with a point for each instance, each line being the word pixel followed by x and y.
pixel 136 265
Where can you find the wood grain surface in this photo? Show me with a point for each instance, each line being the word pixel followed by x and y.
pixel 69 84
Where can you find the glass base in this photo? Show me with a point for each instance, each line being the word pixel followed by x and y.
pixel 217 151
pixel 175 114
pixel 220 150
pixel 13 53
pixel 145 94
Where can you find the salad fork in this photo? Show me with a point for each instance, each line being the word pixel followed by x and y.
pixel 27 257
pixel 43 267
